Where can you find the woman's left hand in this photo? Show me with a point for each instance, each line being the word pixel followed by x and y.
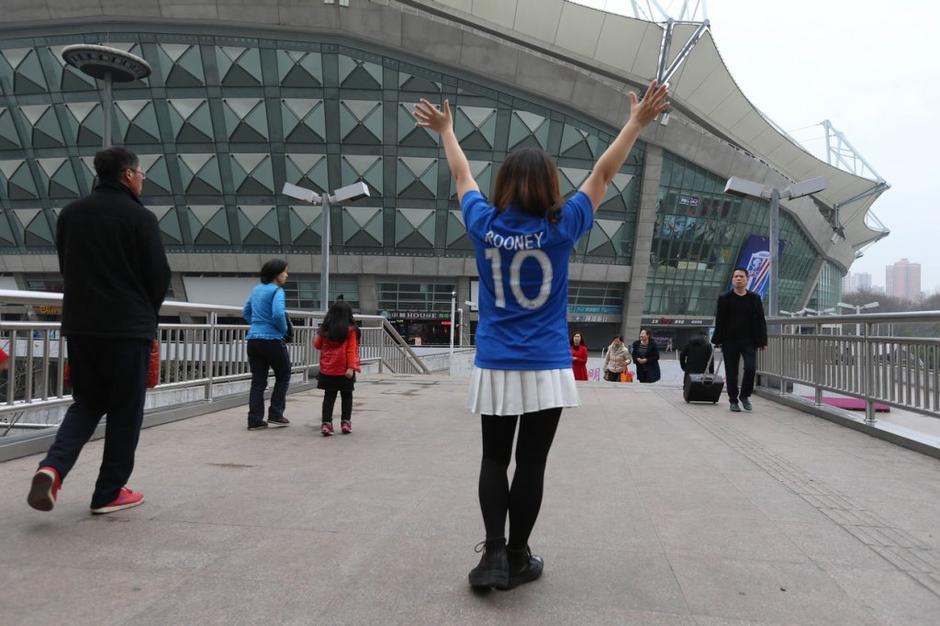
pixel 349 372
pixel 429 116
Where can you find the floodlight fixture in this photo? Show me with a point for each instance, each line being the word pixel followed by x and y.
pixel 805 188
pixel 742 187
pixel 349 193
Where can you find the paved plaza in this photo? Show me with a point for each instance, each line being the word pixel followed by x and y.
pixel 655 512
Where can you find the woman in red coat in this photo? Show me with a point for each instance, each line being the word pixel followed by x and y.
pixel 579 357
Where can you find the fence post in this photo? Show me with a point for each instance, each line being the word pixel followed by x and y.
pixel 210 357
pixel 868 375
pixel 817 363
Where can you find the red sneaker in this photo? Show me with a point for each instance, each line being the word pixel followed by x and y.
pixel 126 499
pixel 326 429
pixel 45 489
pixel 346 427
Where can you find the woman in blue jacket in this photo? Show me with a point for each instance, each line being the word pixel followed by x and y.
pixel 646 356
pixel 265 312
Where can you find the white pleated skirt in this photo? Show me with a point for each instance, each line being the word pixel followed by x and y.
pixel 514 392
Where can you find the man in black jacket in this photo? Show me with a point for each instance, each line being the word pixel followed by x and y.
pixel 740 329
pixel 695 356
pixel 116 276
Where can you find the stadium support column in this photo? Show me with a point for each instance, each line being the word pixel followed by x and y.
pixel 635 294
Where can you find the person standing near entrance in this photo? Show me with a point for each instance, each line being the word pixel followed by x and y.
pixel 646 356
pixel 116 275
pixel 740 330
pixel 579 357
pixel 522 372
pixel 617 360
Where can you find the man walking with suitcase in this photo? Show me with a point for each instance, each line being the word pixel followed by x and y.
pixel 740 330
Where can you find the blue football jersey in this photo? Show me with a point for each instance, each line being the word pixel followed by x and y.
pixel 522 261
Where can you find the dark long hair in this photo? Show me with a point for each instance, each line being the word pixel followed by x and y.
pixel 528 180
pixel 272 269
pixel 338 321
pixel 571 340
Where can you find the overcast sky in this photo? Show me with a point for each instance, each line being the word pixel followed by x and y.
pixel 872 69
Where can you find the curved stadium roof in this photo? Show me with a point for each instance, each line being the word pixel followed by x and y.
pixel 703 89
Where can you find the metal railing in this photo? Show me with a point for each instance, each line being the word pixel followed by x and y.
pixel 853 356
pixel 204 356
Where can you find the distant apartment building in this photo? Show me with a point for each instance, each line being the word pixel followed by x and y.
pixel 856 281
pixel 902 280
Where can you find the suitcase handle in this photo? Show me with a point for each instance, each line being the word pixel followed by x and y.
pixel 711 361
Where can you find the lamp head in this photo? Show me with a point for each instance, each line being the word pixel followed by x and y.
pixel 742 187
pixel 350 193
pixel 805 188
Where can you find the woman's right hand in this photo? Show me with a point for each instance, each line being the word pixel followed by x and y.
pixel 429 116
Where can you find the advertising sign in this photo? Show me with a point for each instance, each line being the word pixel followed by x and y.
pixel 755 257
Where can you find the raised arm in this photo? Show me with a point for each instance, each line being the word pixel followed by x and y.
pixel 442 122
pixel 642 112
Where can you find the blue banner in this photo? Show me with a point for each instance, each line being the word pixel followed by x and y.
pixel 755 257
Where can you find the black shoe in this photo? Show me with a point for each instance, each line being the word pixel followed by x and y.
pixel 524 567
pixel 258 426
pixel 746 404
pixel 493 569
pixel 278 422
pixel 735 408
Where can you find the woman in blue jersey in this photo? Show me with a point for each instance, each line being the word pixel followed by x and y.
pixel 522 370
pixel 265 313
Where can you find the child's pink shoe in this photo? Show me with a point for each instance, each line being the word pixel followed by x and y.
pixel 346 427
pixel 327 429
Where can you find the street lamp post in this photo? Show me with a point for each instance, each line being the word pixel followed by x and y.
pixel 453 314
pixel 743 187
pixel 349 193
pixel 109 65
pixel 858 308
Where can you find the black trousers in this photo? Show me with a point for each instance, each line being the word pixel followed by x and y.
pixel 733 352
pixel 329 399
pixel 264 354
pixel 109 376
pixel 523 499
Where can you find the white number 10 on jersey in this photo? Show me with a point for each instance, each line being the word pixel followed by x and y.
pixel 514 269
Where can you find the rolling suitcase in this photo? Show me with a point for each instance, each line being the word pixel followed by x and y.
pixel 704 387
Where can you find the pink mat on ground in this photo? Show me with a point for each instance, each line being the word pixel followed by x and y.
pixel 851 404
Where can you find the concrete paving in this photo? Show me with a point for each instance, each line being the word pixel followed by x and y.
pixel 655 512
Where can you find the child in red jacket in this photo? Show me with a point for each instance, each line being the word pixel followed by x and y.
pixel 338 343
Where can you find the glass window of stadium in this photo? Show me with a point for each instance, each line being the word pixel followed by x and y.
pixel 420 312
pixel 304 292
pixel 699 237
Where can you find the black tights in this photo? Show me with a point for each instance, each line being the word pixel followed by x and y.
pixel 523 500
pixel 329 399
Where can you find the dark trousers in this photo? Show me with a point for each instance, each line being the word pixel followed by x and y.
pixel 329 399
pixel 732 352
pixel 262 355
pixel 109 376
pixel 523 499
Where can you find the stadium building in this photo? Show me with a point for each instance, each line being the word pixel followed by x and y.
pixel 245 96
